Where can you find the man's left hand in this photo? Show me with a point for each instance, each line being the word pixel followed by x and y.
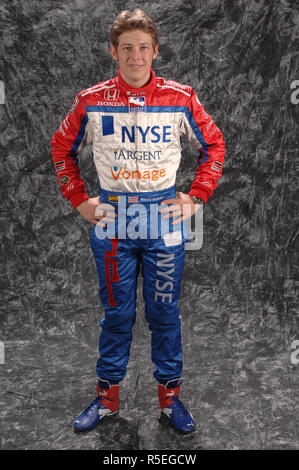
pixel 176 208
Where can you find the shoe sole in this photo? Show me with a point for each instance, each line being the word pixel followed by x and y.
pixel 90 429
pixel 166 422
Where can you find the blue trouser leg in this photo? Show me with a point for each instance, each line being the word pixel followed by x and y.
pixel 117 263
pixel 118 273
pixel 162 271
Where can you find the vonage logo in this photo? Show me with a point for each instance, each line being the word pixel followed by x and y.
pixel 121 173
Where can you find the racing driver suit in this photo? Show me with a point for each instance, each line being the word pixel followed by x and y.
pixel 135 136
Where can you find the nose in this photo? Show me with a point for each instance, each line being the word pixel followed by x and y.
pixel 135 53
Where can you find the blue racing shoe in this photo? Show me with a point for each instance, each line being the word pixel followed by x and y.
pixel 173 410
pixel 105 404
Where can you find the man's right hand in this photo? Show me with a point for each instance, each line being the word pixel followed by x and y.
pixel 96 212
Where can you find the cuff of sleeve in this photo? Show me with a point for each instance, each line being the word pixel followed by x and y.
pixel 78 198
pixel 199 193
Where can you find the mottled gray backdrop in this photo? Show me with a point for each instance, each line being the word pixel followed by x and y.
pixel 239 301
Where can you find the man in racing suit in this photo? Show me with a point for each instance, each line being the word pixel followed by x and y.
pixel 134 122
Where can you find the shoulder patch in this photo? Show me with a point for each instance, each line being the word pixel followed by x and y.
pixel 177 85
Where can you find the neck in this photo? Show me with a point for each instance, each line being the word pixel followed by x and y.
pixel 136 83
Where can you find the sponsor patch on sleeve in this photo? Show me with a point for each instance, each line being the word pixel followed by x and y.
pixel 60 166
pixel 216 166
pixel 64 180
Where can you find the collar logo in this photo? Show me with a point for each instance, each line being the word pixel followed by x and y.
pixel 111 95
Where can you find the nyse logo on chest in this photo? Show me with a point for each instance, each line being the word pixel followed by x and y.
pixel 139 134
pixel 152 134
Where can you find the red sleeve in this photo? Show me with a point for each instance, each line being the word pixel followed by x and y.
pixel 204 135
pixel 70 138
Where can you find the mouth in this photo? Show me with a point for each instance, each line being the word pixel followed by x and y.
pixel 135 66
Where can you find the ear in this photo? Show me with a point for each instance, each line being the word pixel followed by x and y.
pixel 113 53
pixel 155 51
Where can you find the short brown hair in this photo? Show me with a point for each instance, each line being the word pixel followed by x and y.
pixel 131 20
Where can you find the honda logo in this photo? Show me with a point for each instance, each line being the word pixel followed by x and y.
pixel 112 95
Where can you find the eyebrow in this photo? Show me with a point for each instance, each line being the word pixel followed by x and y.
pixel 140 44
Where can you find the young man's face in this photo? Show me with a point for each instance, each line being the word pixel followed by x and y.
pixel 134 54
